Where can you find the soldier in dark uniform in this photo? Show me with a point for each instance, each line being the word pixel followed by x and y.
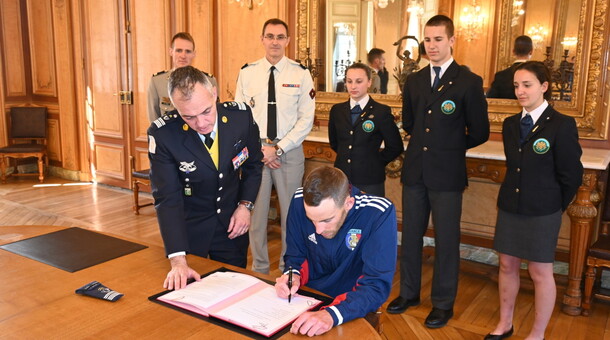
pixel 205 169
pixel 445 112
pixel 357 128
pixel 182 52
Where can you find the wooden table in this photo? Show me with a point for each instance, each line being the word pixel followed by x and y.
pixel 38 301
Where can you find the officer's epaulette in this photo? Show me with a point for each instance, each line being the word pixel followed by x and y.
pixel 294 62
pixel 245 65
pixel 158 73
pixel 235 106
pixel 165 119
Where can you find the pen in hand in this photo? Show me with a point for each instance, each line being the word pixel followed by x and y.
pixel 289 283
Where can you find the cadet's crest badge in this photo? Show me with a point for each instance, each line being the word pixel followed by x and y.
pixel 541 146
pixel 352 238
pixel 368 126
pixel 187 167
pixel 448 107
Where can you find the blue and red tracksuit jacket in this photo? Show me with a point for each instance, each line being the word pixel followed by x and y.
pixel 357 265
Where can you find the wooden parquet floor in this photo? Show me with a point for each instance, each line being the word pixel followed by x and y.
pixel 108 209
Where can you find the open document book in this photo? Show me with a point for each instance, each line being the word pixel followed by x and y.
pixel 242 300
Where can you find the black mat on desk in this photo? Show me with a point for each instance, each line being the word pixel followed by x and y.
pixel 235 328
pixel 72 249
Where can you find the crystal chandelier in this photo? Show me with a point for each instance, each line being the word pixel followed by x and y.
pixel 472 21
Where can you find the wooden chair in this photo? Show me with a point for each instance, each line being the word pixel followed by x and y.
pixel 599 256
pixel 27 139
pixel 138 178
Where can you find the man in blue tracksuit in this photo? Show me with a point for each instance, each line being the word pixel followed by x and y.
pixel 341 242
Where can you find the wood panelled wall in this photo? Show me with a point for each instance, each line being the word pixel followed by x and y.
pixel 75 56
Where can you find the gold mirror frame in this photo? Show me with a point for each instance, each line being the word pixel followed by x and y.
pixel 587 108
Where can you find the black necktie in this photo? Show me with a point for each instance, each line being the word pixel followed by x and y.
pixel 356 111
pixel 437 79
pixel 208 140
pixel 271 107
pixel 526 126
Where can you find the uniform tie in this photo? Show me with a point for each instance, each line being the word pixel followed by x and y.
pixel 526 126
pixel 209 141
pixel 356 111
pixel 271 107
pixel 437 78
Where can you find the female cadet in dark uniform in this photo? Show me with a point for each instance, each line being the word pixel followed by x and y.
pixel 542 177
pixel 356 129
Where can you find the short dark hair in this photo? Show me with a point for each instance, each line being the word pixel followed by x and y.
pixel 325 182
pixel 185 78
pixel 523 45
pixel 373 54
pixel 361 66
pixel 442 20
pixel 275 21
pixel 184 36
pixel 541 72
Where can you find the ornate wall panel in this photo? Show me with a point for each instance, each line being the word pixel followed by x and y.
pixel 12 49
pixel 40 27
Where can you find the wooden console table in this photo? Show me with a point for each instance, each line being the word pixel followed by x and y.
pixel 488 161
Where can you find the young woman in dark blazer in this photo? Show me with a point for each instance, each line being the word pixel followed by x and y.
pixel 542 177
pixel 356 129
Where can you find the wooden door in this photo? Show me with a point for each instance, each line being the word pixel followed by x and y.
pixel 107 75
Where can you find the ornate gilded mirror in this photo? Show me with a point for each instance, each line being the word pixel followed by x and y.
pixel 579 25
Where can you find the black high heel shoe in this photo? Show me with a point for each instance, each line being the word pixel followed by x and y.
pixel 500 336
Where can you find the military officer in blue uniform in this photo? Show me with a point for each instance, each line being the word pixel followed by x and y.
pixel 205 169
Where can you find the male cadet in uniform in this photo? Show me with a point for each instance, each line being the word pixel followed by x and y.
pixel 341 242
pixel 182 53
pixel 445 113
pixel 284 108
pixel 381 76
pixel 205 171
pixel 503 85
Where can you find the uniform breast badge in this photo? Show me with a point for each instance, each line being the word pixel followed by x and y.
pixel 368 126
pixel 352 238
pixel 187 167
pixel 448 107
pixel 240 158
pixel 541 146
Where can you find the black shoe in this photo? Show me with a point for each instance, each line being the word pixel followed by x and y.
pixel 401 304
pixel 500 336
pixel 438 317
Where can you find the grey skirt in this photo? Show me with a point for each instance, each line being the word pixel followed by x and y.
pixel 533 238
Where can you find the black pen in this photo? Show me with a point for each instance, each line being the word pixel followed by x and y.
pixel 289 283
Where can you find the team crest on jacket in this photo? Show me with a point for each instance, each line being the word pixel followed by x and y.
pixel 541 146
pixel 187 167
pixel 352 238
pixel 368 126
pixel 448 107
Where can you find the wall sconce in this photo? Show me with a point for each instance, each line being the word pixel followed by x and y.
pixel 538 34
pixel 569 43
pixel 248 3
pixel 471 21
pixel 518 11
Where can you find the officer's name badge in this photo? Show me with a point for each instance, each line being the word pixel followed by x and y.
pixel 240 158
pixel 291 85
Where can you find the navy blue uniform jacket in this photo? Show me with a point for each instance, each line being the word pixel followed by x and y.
pixel 188 223
pixel 357 145
pixel 442 126
pixel 543 174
